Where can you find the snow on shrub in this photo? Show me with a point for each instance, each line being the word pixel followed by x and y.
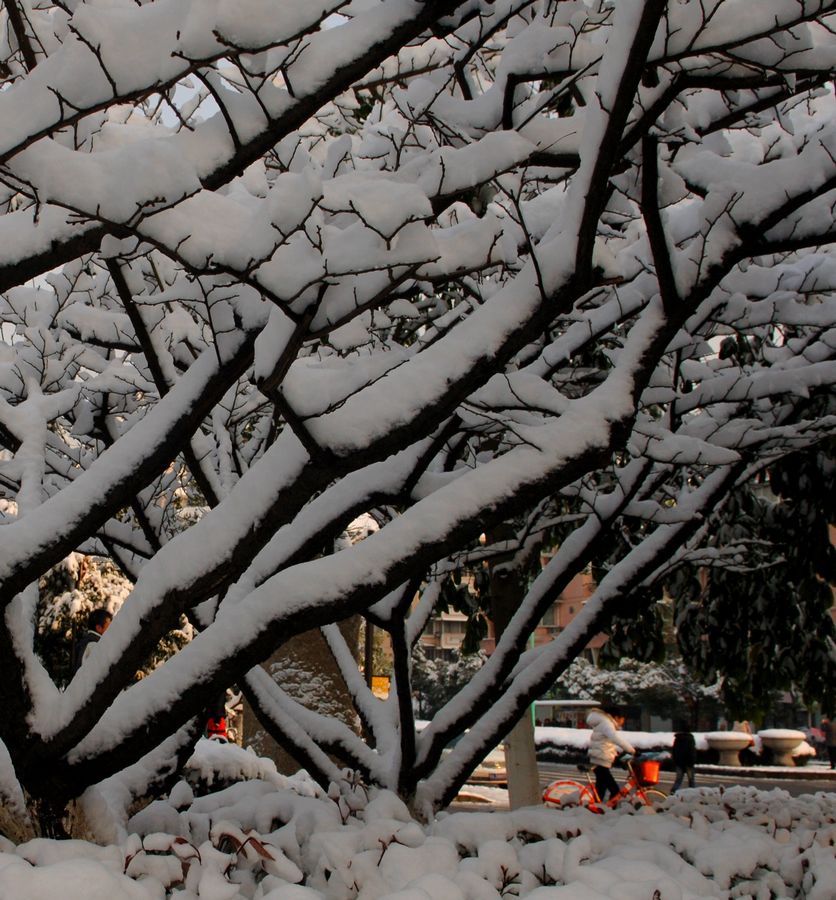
pixel 570 744
pixel 285 839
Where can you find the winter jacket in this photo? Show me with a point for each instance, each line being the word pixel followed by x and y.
pixel 684 750
pixel 82 648
pixel 830 733
pixel 605 743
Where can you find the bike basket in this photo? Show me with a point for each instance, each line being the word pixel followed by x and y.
pixel 647 771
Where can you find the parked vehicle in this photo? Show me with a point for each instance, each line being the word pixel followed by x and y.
pixel 491 771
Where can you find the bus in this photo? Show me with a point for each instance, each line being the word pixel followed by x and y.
pixel 564 713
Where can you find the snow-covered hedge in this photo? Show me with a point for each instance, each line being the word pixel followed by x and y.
pixel 570 745
pixel 260 841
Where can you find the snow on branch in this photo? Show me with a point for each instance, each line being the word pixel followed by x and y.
pixel 540 274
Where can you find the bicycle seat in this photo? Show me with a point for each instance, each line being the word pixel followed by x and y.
pixel 583 767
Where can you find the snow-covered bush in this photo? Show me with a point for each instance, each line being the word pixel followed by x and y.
pixel 68 593
pixel 279 840
pixel 437 681
pixel 667 689
pixel 571 745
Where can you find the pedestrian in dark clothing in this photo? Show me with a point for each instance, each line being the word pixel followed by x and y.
pixel 829 729
pixel 684 758
pixel 97 624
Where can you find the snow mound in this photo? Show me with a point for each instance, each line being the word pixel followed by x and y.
pixel 214 761
pixel 260 840
pixel 781 733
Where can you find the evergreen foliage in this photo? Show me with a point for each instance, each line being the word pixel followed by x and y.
pixel 436 681
pixel 68 593
pixel 762 620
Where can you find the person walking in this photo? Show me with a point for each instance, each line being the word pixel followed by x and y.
pixel 684 758
pixel 216 720
pixel 605 744
pixel 829 729
pixel 97 624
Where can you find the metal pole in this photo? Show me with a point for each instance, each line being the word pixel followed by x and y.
pixel 368 654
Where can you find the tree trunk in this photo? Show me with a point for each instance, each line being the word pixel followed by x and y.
pixel 520 755
pixel 305 669
pixel 521 762
pixel 51 818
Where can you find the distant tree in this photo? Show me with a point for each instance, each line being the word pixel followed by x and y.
pixel 68 593
pixel 667 689
pixel 682 697
pixel 759 617
pixel 436 682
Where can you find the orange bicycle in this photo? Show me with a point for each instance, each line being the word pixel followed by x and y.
pixel 637 790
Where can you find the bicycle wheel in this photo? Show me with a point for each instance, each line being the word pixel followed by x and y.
pixel 566 794
pixel 649 797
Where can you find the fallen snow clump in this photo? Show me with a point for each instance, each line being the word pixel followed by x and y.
pixel 285 839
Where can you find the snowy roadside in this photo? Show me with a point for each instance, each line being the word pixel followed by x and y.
pixel 812 771
pixel 546 736
pixel 273 838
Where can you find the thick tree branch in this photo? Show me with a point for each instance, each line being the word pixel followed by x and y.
pixel 655 228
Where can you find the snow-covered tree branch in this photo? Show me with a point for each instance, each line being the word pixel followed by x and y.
pixel 458 265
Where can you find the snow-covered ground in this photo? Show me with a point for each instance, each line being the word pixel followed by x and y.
pixel 274 838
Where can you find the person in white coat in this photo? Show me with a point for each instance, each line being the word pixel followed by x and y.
pixel 605 745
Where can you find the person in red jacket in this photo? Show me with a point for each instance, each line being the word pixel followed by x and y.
pixel 216 720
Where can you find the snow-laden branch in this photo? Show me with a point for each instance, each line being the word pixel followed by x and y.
pixel 545 589
pixel 96 495
pixel 544 271
pixel 544 665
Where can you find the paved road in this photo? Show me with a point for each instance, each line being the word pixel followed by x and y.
pixel 804 785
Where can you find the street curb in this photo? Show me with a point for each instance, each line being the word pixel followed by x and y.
pixel 800 774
